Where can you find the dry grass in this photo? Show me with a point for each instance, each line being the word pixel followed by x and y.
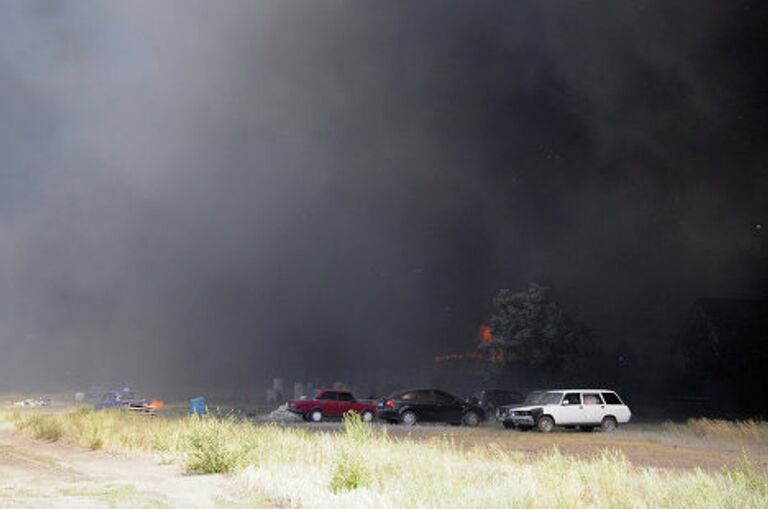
pixel 744 432
pixel 43 426
pixel 365 467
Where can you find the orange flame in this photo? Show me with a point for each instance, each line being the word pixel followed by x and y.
pixel 485 333
pixel 157 404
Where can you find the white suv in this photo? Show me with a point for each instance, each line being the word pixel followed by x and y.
pixel 586 408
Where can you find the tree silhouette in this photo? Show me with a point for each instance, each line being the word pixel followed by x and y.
pixel 530 329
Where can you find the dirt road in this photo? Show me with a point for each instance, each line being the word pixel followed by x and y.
pixel 35 473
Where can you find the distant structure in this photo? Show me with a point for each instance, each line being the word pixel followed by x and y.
pixel 298 390
pixel 278 385
pixel 724 346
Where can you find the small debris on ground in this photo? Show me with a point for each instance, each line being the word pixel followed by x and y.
pixel 32 402
pixel 280 413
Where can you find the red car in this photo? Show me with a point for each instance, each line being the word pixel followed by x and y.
pixel 329 404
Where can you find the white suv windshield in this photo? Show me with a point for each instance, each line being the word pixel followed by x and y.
pixel 534 397
pixel 552 398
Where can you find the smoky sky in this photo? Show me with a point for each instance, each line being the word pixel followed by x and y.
pixel 216 192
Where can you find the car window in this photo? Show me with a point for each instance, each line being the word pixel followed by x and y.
pixel 551 398
pixel 534 398
pixel 424 396
pixel 592 398
pixel 444 398
pixel 328 395
pixel 573 398
pixel 611 398
pixel 408 396
pixel 346 396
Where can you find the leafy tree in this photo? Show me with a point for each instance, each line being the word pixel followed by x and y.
pixel 530 329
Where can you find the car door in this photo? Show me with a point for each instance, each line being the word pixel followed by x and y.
pixel 571 410
pixel 346 403
pixel 329 403
pixel 426 405
pixel 594 407
pixel 418 401
pixel 447 407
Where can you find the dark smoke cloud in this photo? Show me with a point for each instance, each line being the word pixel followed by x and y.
pixel 311 187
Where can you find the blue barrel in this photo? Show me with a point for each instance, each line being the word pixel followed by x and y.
pixel 197 406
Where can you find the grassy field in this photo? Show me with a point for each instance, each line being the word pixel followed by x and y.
pixel 747 432
pixel 363 466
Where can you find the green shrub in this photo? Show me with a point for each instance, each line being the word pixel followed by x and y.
pixel 208 446
pixel 356 429
pixel 749 474
pixel 350 473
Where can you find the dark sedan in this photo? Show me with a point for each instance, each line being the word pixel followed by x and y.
pixel 428 405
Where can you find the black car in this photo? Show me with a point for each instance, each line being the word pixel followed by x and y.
pixel 428 405
pixel 490 399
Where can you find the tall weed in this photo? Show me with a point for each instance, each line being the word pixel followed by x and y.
pixel 45 426
pixel 210 446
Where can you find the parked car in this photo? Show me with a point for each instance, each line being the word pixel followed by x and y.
pixel 490 399
pixel 586 408
pixel 533 398
pixel 428 405
pixel 330 404
pixel 125 399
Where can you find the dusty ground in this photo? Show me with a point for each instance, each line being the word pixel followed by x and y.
pixel 35 473
pixel 38 474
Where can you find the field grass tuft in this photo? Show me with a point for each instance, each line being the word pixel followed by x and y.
pixel 43 426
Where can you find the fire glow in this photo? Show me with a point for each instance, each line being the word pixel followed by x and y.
pixel 484 335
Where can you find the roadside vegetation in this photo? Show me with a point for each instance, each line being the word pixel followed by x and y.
pixel 364 467
pixel 748 431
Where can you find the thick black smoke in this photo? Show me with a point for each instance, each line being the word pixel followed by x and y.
pixel 212 193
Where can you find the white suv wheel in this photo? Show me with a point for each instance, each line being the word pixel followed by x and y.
pixel 608 424
pixel 546 424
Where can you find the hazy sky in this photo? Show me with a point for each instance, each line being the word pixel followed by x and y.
pixel 298 186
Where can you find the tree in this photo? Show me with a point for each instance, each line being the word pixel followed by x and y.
pixel 530 329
